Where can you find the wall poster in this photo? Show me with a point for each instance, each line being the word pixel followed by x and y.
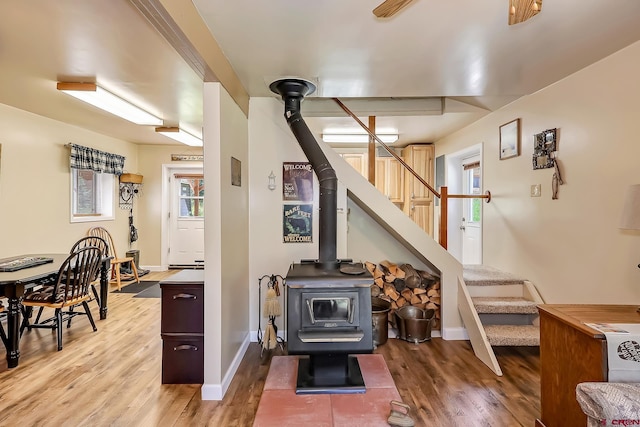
pixel 296 223
pixel 297 181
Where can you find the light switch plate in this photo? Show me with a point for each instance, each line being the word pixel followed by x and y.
pixel 536 190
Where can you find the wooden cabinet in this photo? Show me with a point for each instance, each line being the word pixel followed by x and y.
pixel 182 328
pixel 418 199
pixel 422 214
pixel 358 161
pixel 571 353
pixel 390 178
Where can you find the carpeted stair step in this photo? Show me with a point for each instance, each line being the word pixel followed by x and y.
pixel 482 275
pixel 513 335
pixel 504 305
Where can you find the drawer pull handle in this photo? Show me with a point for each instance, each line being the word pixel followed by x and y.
pixel 185 296
pixel 185 347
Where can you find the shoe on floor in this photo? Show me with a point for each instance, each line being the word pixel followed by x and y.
pixel 399 415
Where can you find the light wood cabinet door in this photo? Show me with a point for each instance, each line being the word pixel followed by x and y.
pixel 420 158
pixel 422 215
pixel 390 179
pixel 358 161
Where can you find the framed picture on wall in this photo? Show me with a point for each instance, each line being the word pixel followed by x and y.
pixel 510 139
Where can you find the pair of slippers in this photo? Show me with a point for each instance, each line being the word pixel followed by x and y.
pixel 400 415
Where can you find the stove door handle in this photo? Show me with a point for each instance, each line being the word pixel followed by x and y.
pixel 351 310
pixel 311 316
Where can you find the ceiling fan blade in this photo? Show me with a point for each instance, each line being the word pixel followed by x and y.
pixel 389 8
pixel 521 10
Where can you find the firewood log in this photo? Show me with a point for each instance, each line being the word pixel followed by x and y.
pixel 412 278
pixel 401 302
pixel 433 293
pixel 375 290
pixel 407 294
pixel 419 291
pixel 370 267
pixel 399 285
pixel 435 300
pixel 391 292
pixel 377 273
pixel 433 306
pixel 415 300
pixel 379 281
pixel 424 298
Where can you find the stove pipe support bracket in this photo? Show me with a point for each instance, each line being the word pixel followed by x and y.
pixel 292 92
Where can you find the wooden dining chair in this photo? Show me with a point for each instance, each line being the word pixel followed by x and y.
pixel 68 290
pixel 3 335
pixel 116 261
pixel 100 243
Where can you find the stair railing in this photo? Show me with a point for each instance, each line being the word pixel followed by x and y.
pixel 443 195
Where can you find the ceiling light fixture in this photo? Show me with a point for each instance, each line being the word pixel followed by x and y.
pixel 180 135
pixel 93 94
pixel 357 137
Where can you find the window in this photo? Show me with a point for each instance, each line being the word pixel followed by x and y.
pixel 191 196
pixel 472 186
pixel 91 196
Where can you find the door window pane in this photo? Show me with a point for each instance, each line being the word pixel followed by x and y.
pixel 191 199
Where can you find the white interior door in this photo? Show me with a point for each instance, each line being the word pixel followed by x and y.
pixel 186 218
pixel 471 220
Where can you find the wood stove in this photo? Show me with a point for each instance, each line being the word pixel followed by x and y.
pixel 329 315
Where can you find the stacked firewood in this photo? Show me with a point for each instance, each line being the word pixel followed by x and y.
pixel 404 285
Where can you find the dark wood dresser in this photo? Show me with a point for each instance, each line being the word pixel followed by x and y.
pixel 182 328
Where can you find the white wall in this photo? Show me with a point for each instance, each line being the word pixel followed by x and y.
pixel 571 248
pixel 226 240
pixel 35 184
pixel 147 208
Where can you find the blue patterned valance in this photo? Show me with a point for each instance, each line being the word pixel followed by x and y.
pixel 95 160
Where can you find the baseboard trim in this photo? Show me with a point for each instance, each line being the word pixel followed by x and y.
pixel 455 334
pixel 153 267
pixel 217 391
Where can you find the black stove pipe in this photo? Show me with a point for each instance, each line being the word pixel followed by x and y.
pixel 292 92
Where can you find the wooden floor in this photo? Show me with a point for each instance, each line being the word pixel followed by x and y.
pixel 112 377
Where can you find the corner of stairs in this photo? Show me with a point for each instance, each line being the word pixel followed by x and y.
pixel 501 307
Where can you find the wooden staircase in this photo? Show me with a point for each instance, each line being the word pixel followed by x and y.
pixel 498 309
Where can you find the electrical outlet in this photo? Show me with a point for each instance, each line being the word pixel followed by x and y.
pixel 535 190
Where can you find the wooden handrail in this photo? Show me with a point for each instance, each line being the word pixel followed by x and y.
pixel 443 195
pixel 386 147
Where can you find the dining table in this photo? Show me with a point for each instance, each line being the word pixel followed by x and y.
pixel 14 284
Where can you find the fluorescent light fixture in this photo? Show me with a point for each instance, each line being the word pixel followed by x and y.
pixel 180 135
pixel 357 137
pixel 105 100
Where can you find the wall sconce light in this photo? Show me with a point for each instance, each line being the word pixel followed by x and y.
pixel 272 181
pixel 180 135
pixel 93 94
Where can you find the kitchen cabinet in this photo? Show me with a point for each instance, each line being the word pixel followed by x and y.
pixel 390 178
pixel 418 199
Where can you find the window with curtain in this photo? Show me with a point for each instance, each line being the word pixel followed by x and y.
pixel 93 175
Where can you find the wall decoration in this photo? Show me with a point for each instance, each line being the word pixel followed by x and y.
pixel 297 223
pixel 544 144
pixel 297 181
pixel 236 172
pixel 510 139
pixel 187 157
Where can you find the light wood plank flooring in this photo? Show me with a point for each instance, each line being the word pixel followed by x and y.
pixel 112 378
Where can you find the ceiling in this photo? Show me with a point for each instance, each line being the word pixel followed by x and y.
pixel 461 50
